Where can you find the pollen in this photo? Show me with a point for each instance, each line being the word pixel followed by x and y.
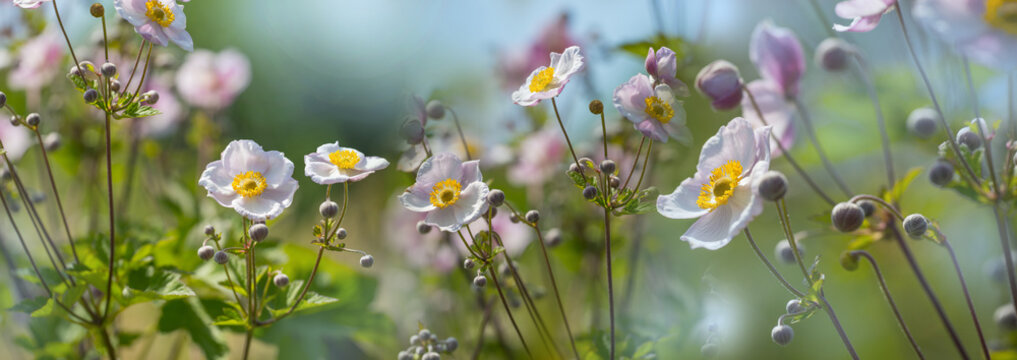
pixel 723 180
pixel 249 184
pixel 344 159
pixel 658 109
pixel 159 13
pixel 445 193
pixel 542 80
pixel 1002 14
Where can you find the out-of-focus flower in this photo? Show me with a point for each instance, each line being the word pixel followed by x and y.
pixel 16 139
pixel 653 110
pixel 158 21
pixel 515 237
pixel 778 55
pixel 555 37
pixel 546 82
pixel 333 164
pixel 212 81
pixel 38 61
pixel 170 111
pixel 721 192
pixel 662 66
pixel 420 250
pixel 29 4
pixel 776 111
pixel 538 160
pixel 864 14
pixel 258 184
pixel 983 30
pixel 450 191
pixel 721 82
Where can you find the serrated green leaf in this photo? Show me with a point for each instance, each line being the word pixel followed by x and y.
pixel 188 315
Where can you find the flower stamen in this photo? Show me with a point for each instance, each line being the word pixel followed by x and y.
pixel 445 193
pixel 249 184
pixel 1002 14
pixel 658 109
pixel 159 13
pixel 344 159
pixel 723 181
pixel 541 81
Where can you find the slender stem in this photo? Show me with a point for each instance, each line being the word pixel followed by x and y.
pixel 967 297
pixel 889 300
pixel 235 295
pixel 985 141
pixel 141 82
pixel 785 223
pixel 132 163
pixel 527 299
pixel 607 252
pixel 870 87
pixel 1004 239
pixel 40 227
pixel 508 310
pixel 137 60
pixel 112 220
pixel 876 199
pixel 110 349
pixel 56 194
pixel 488 310
pixel 811 132
pixel 603 127
pixel 567 140
pixel 787 155
pixel 836 324
pixel 557 294
pixel 770 266
pixel 247 342
pixel 70 48
pixel 459 128
pixel 646 164
pixel 635 161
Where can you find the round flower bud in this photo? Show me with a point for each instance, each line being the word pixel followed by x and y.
pixel 414 339
pixel 258 232
pixel 468 264
pixel 849 261
pixel 574 168
pixel 941 173
pixel 90 96
pixel 366 261
pixel 772 185
pixel 412 131
pixel 114 85
pixel 14 121
pixel 52 141
pixel 281 280
pixel 847 217
pixel 33 119
pixel 496 197
pixel 868 207
pixel 969 138
pixel 209 230
pixel 784 252
pixel 782 334
pixel 222 257
pixel 425 334
pixel 709 350
pixel 328 209
pixel 590 192
pixel 422 227
pixel 480 281
pixel 451 344
pixel 150 97
pixel 532 216
pixel 341 233
pixel 834 54
pixel 608 166
pixel 431 356
pixel 915 225
pixel 108 69
pixel 96 10
pixel 614 182
pixel 794 306
pixel 553 237
pixel 206 252
pixel 1005 317
pixel 514 219
pixel 923 122
pixel 720 82
pixel 596 107
pixel 435 110
pixel 3 99
pixel 403 355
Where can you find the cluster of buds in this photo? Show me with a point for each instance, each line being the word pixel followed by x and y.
pixel 426 346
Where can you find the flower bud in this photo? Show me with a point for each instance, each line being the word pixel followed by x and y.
pixel 553 237
pixel 209 230
pixel 833 54
pixel 784 252
pixel 328 209
pixel 108 69
pixel 608 166
pixel 281 280
pixel 915 225
pixel 431 356
pixel 772 185
pixel 514 219
pixel 222 257
pixel 590 192
pixel 596 107
pixel 468 264
pixel 96 10
pixel 150 97
pixel 451 344
pixel 403 355
pixel 496 197
pixel 114 85
pixel 435 110
pixel 969 138
pixel 941 173
pixel 414 339
pixel 51 141
pixel 3 99
pixel 33 119
pixel 258 232
pixel 532 216
pixel 366 261
pixel 614 182
pixel 425 334
pixel 720 82
pixel 847 217
pixel 849 261
pixel 90 96
pixel 341 233
pixel 412 131
pixel 868 207
pixel 206 252
pixel 782 334
pixel 480 281
pixel 422 227
pixel 1005 317
pixel 923 122
pixel 574 168
pixel 794 306
pixel 14 121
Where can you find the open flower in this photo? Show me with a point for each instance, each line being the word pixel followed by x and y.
pixel 29 4
pixel 516 64
pixel 653 110
pixel 983 30
pixel 332 164
pixel 778 56
pixel 258 184
pixel 212 81
pixel 777 112
pixel 721 193
pixel 663 67
pixel 547 81
pixel 864 14
pixel 158 21
pixel 38 62
pixel 450 191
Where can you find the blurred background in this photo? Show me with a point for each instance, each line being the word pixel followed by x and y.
pixel 323 71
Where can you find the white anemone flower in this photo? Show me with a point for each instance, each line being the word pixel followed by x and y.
pixel 258 184
pixel 722 193
pixel 332 164
pixel 450 191
pixel 547 82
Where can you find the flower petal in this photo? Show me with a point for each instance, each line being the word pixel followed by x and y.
pixel 681 204
pixel 711 230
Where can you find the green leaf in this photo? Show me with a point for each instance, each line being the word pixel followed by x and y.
pixel 29 306
pixel 902 185
pixel 188 315
pixel 136 110
pixel 311 300
pixel 153 284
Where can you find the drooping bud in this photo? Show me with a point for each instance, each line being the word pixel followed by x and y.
pixel 720 82
pixel 221 257
pixel 90 96
pixel 590 192
pixel 480 281
pixel 258 232
pixel 33 119
pixel 834 54
pixel 114 85
pixel 794 306
pixel 941 173
pixel 435 110
pixel 847 217
pixel 613 181
pixel 782 334
pixel 341 233
pixel 150 97
pixel 206 252
pixel 108 69
pixel 328 209
pixel 868 207
pixel 412 131
pixel 915 225
pixel 281 280
pixel 366 261
pixel 532 216
pixel 772 185
pixel 969 138
pixel 849 261
pixel 496 197
pixel 923 122
pixel 608 166
pixel 468 264
pixel 784 252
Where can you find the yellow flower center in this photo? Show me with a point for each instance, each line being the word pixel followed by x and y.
pixel 249 184
pixel 1002 14
pixel 542 80
pixel 445 193
pixel 723 180
pixel 159 13
pixel 344 159
pixel 658 109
